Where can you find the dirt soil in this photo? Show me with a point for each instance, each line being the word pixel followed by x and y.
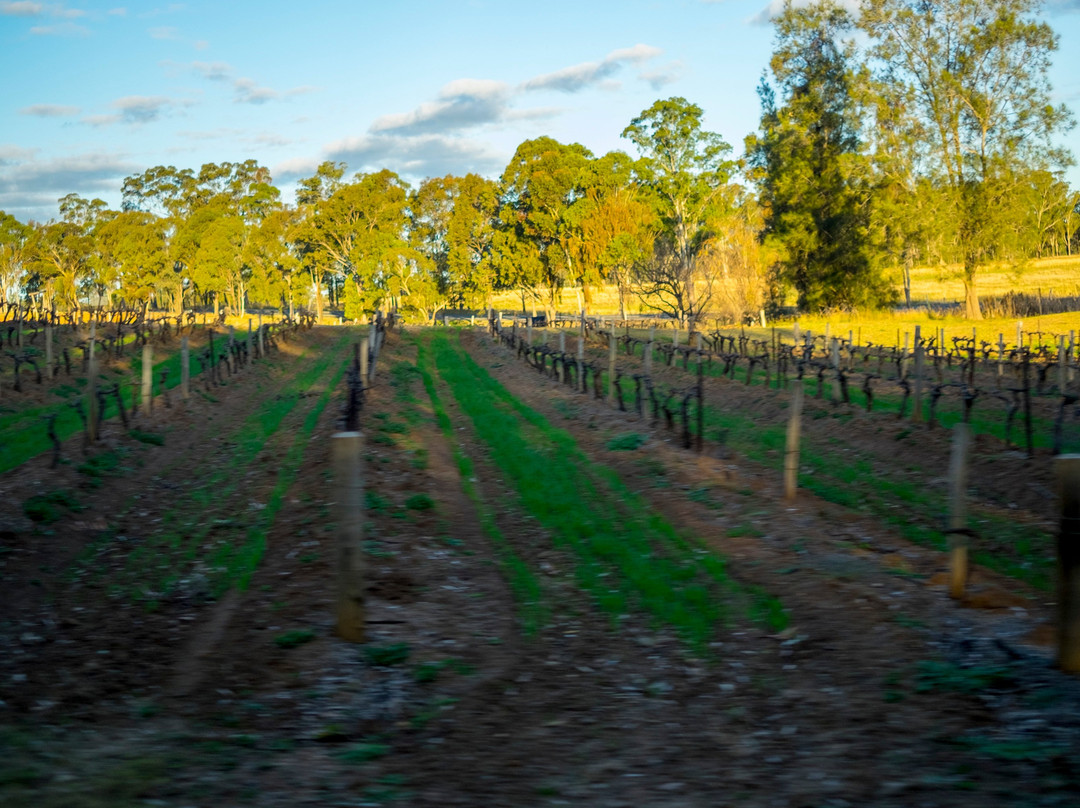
pixel 880 691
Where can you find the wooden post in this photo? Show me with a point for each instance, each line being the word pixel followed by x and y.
pixel 1027 406
pixel 251 342
pixel 612 347
pixel 364 361
pixel 185 369
pixel 560 366
pixel 791 453
pixel 957 527
pixel 1001 356
pixel 347 449
pixel 834 360
pixel 916 411
pixel 646 357
pixel 213 373
pixel 91 389
pixel 1063 378
pixel 675 337
pixel 1067 471
pixel 581 361
pixel 147 378
pixel 1019 334
pixel 48 349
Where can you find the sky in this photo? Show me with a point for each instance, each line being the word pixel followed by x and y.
pixel 96 92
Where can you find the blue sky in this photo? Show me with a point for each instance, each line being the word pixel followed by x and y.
pixel 95 92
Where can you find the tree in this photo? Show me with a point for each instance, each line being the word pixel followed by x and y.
pixel 541 184
pixel 14 237
pixel 451 223
pixel 62 254
pixel 808 164
pixel 134 255
pixel 616 226
pixel 686 167
pixel 972 76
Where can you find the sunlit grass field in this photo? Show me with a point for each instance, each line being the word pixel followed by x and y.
pixel 930 285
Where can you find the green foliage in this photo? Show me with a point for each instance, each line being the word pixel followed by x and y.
pixel 362 753
pixel 940 675
pixel 47 508
pixel 387 655
pixel 419 502
pixel 627 442
pixel 808 164
pixel 152 438
pixel 294 638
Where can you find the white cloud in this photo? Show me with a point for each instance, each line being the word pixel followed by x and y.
pixel 662 76
pixel 49 111
pixel 164 32
pixel 11 154
pixel 60 29
pixel 461 104
pixel 141 108
pixel 578 77
pixel 214 71
pixel 469 103
pixel 21 8
pixel 413 157
pixel 29 189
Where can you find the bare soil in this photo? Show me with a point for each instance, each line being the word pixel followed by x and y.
pixel 881 690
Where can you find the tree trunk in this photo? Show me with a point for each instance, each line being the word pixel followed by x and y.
pixel 971 297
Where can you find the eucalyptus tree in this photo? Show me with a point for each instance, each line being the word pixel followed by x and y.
pixel 452 224
pixel 808 163
pixel 190 203
pixel 356 233
pixel 63 257
pixel 616 225
pixel 688 169
pixel 972 77
pixel 14 237
pixel 544 180
pixel 134 252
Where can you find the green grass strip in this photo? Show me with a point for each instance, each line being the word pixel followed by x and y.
pixel 628 556
pixel 523 583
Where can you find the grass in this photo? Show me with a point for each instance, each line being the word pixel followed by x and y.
pixel 230 548
pixel 387 655
pixel 48 508
pixel 627 555
pixel 294 638
pixel 524 584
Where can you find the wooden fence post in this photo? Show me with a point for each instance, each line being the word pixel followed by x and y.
pixel 834 362
pixel 347 449
pixel 646 357
pixel 91 389
pixel 1067 469
pixel 48 349
pixel 250 343
pixel 364 361
pixel 1063 378
pixel 791 453
pixel 916 412
pixel 581 361
pixel 957 527
pixel 185 369
pixel 612 347
pixel 147 378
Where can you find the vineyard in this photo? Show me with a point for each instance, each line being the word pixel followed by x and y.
pixel 583 580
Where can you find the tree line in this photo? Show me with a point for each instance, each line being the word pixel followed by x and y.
pixel 912 133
